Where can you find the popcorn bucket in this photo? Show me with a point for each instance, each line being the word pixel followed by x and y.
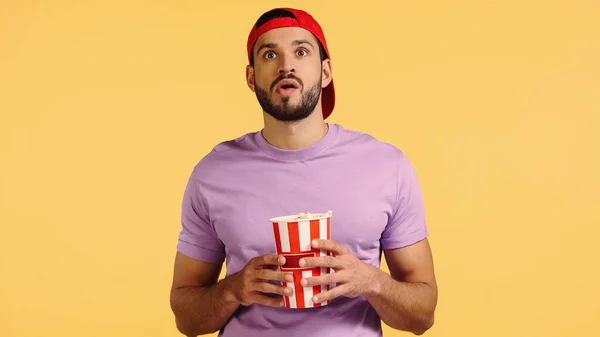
pixel 293 237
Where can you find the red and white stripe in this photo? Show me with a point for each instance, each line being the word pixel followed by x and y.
pixel 293 240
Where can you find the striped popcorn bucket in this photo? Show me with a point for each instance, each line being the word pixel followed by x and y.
pixel 293 235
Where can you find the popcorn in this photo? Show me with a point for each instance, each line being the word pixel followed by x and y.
pixel 307 215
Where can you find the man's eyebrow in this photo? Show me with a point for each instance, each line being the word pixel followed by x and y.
pixel 299 42
pixel 273 45
pixel 266 45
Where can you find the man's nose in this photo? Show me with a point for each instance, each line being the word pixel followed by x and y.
pixel 286 66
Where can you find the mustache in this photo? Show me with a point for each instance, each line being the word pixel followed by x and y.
pixel 285 77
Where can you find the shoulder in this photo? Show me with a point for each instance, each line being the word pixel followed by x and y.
pixel 223 154
pixel 368 145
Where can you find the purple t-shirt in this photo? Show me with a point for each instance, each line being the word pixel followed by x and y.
pixel 369 185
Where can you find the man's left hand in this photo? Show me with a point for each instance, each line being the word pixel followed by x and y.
pixel 352 277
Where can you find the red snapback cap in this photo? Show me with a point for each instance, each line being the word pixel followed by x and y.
pixel 302 20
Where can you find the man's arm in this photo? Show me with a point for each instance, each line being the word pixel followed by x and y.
pixel 406 299
pixel 201 304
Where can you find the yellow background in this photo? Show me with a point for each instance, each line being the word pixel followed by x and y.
pixel 107 105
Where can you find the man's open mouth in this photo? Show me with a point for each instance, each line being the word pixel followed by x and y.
pixel 288 84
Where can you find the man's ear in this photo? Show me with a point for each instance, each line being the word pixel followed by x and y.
pixel 250 77
pixel 326 74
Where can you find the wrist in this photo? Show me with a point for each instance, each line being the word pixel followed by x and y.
pixel 376 282
pixel 228 288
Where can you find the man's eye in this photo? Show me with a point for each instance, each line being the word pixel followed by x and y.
pixel 269 54
pixel 302 52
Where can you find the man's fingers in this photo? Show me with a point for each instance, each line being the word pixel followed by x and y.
pixel 331 294
pixel 272 275
pixel 267 301
pixel 323 261
pixel 272 302
pixel 271 267
pixel 269 260
pixel 334 278
pixel 269 288
pixel 331 246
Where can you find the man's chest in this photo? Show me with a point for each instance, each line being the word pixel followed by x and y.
pixel 361 207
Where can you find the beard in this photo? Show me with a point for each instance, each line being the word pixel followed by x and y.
pixel 286 111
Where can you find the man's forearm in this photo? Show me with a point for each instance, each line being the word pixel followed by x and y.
pixel 401 305
pixel 203 310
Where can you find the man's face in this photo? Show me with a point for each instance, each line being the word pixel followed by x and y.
pixel 287 73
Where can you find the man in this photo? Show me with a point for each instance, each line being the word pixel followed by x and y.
pixel 300 163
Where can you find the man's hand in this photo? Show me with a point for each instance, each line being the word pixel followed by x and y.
pixel 248 284
pixel 352 277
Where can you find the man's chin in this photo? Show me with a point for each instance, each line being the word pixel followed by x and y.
pixel 287 108
pixel 287 101
pixel 288 115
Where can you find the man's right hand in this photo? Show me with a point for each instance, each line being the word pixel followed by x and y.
pixel 247 285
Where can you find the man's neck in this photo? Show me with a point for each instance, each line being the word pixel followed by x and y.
pixel 294 135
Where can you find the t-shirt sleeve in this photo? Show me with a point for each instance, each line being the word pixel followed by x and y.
pixel 407 223
pixel 197 238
